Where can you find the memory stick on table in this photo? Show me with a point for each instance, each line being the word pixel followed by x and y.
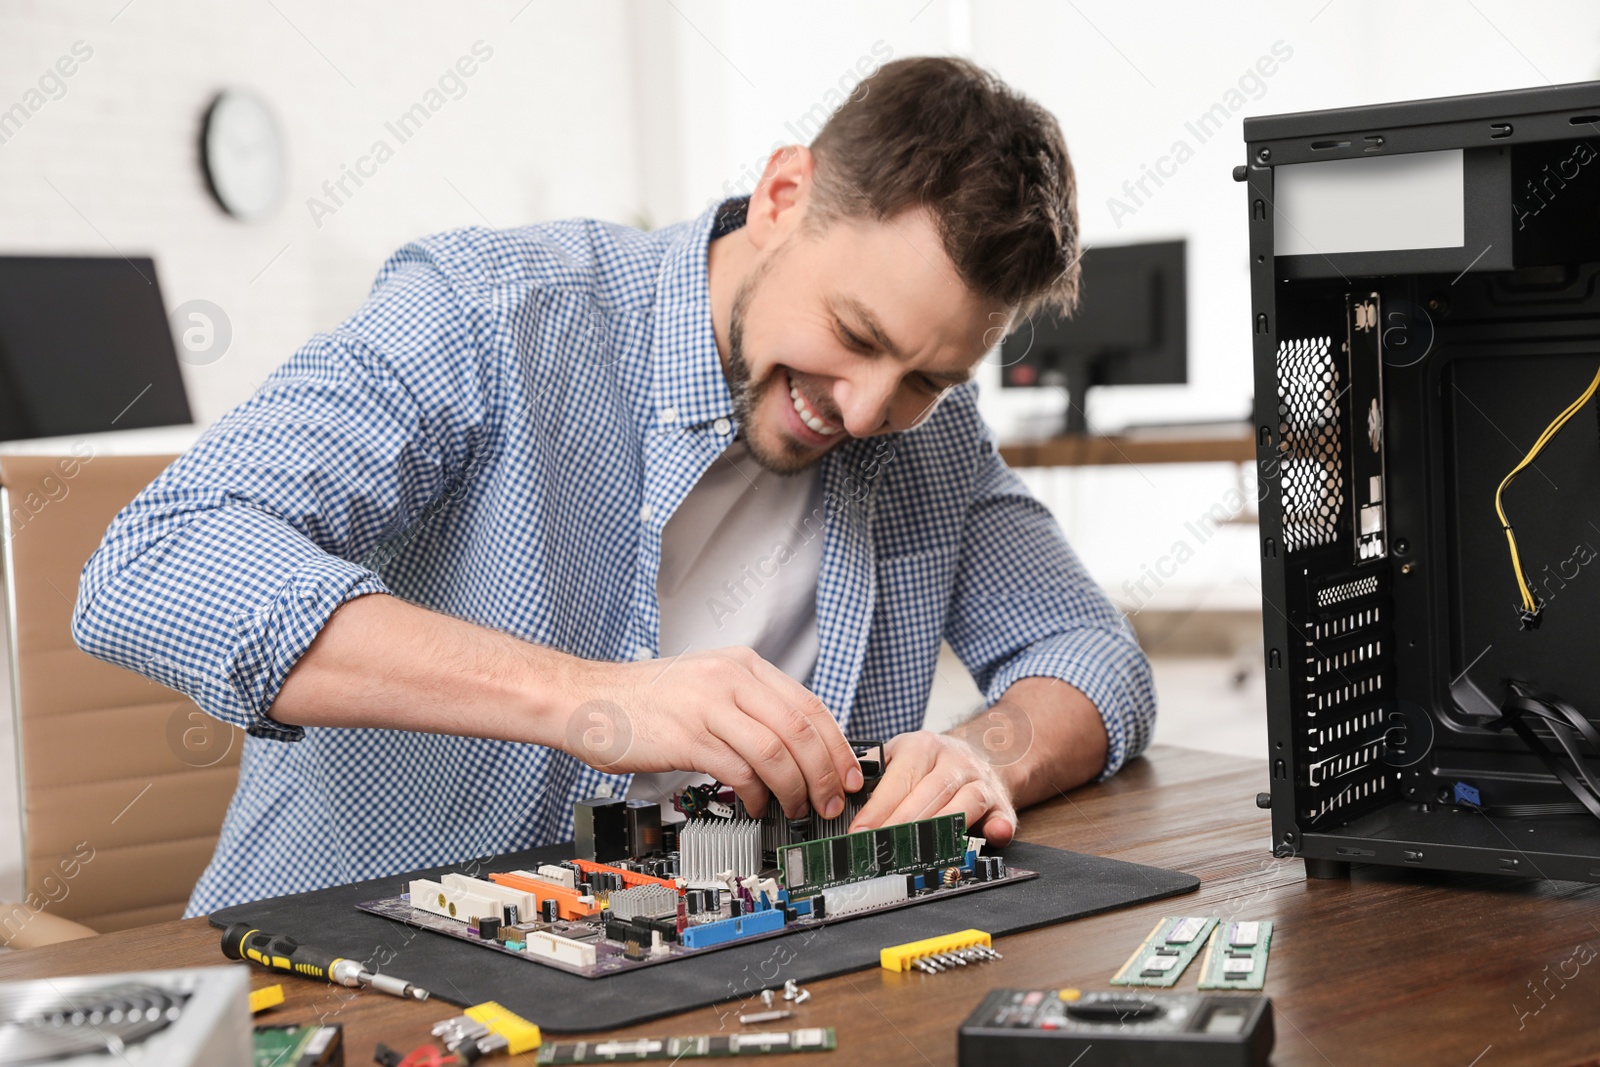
pixel 1236 956
pixel 1165 952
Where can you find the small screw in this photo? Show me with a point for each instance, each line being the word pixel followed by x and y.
pixel 1407 568
pixel 766 998
pixel 805 995
pixel 1263 155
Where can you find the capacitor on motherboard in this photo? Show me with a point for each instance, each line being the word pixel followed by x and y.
pixel 549 909
pixel 510 915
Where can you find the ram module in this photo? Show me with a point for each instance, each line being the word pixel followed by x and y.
pixel 703 1046
pixel 908 848
pixel 1165 953
pixel 1236 956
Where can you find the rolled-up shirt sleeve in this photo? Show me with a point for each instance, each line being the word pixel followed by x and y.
pixel 218 576
pixel 1024 606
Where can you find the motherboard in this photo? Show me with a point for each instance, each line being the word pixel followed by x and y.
pixel 641 891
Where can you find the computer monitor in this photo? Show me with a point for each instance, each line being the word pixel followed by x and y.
pixel 1131 328
pixel 85 347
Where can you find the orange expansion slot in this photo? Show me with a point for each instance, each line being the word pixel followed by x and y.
pixel 629 878
pixel 568 904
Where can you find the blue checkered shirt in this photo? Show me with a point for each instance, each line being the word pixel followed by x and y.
pixel 500 433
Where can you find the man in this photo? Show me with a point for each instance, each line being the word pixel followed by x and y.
pixel 571 503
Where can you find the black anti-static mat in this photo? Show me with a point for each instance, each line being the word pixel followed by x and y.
pixel 1070 886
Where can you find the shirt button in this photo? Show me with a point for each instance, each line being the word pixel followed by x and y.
pixel 723 427
pixel 669 414
pixel 646 512
pixel 642 653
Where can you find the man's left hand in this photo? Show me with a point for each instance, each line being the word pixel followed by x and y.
pixel 929 774
pixel 1042 738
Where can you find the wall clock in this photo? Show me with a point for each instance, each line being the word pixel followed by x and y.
pixel 241 149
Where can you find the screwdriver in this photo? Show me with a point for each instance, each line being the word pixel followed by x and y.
pixel 279 952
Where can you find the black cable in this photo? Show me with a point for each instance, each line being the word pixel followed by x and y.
pixel 1559 717
pixel 1520 706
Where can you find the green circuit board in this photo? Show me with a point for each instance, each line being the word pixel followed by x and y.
pixel 1236 956
pixel 1169 948
pixel 914 848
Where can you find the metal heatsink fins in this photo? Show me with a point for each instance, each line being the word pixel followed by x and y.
pixel 643 902
pixel 708 848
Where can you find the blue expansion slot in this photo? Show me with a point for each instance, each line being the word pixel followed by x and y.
pixel 720 932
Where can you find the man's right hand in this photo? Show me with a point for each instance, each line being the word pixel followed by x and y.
pixel 382 662
pixel 727 713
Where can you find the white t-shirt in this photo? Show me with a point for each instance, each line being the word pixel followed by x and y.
pixel 739 564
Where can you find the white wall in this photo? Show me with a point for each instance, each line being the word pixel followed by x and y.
pixel 747 76
pixel 544 129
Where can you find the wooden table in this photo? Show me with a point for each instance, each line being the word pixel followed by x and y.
pixel 1095 450
pixel 1401 967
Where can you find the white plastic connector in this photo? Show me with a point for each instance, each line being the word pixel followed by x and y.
pixel 560 949
pixel 452 902
pixel 526 903
pixel 863 896
pixel 549 872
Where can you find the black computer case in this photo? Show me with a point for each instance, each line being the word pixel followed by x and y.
pixel 1395 388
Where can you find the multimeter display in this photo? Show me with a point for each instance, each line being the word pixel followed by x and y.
pixel 1038 1027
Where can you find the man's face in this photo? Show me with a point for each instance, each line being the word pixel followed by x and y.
pixel 856 330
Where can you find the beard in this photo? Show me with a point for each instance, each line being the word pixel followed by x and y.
pixel 791 456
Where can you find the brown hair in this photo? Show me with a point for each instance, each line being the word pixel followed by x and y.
pixel 990 165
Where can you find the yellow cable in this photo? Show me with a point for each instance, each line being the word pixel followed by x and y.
pixel 1530 603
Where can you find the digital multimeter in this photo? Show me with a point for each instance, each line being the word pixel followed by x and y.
pixel 1049 1027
